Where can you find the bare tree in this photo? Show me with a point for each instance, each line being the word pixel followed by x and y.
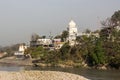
pixel 34 37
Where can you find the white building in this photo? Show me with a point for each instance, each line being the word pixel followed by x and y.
pixel 44 42
pixel 21 51
pixel 72 30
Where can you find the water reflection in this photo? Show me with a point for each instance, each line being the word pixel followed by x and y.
pixel 8 67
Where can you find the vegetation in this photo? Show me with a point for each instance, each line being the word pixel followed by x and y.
pixel 90 50
pixel 10 49
pixel 63 36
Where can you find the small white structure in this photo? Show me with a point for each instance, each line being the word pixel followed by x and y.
pixel 72 30
pixel 21 50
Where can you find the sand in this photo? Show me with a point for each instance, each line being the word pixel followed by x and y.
pixel 39 75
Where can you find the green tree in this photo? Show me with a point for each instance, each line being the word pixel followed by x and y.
pixel 97 55
pixel 43 36
pixel 116 18
pixel 87 31
pixel 36 52
pixel 57 37
pixel 65 51
pixel 34 37
pixel 64 35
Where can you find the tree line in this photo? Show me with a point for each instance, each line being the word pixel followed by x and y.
pixel 93 51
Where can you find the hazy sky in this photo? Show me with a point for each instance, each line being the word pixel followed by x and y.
pixel 20 18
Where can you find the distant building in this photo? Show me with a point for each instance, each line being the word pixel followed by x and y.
pixel 20 53
pixel 73 33
pixel 89 34
pixel 57 43
pixel 44 42
pixel 41 42
pixel 72 30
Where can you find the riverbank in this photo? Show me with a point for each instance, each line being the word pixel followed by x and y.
pixel 36 63
pixel 13 61
pixel 39 75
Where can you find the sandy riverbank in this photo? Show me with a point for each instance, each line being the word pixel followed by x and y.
pixel 39 75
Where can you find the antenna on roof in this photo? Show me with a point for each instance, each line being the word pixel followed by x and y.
pixel 50 35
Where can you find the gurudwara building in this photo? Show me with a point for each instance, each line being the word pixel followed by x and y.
pixel 72 30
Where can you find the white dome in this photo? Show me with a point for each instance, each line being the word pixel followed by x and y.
pixel 72 23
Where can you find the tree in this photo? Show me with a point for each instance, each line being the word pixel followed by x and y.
pixel 79 39
pixel 65 51
pixel 109 25
pixel 57 37
pixel 64 35
pixel 34 37
pixel 105 33
pixel 99 52
pixel 116 18
pixel 43 36
pixel 36 52
pixel 113 53
pixel 87 31
pixel 97 55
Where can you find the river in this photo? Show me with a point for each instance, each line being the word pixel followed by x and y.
pixel 92 74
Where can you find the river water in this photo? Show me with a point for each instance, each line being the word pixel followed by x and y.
pixel 92 74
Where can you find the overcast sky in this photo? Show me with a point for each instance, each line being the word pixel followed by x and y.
pixel 20 18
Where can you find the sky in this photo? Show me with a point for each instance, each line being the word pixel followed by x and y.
pixel 19 19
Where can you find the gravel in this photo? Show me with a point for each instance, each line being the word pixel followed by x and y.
pixel 39 75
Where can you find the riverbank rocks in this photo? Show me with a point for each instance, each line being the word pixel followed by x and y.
pixel 39 75
pixel 101 67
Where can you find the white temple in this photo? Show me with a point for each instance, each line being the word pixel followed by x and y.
pixel 21 50
pixel 72 29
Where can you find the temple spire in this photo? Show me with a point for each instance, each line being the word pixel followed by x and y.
pixel 72 24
